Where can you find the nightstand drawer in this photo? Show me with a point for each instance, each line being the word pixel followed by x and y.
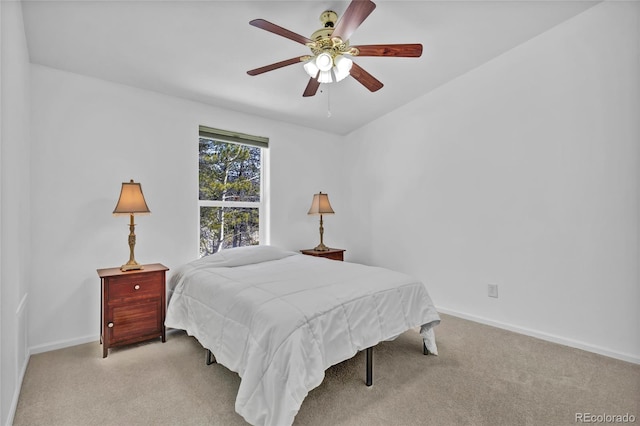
pixel 137 286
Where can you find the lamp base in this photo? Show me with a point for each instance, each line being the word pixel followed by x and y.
pixel 321 247
pixel 131 266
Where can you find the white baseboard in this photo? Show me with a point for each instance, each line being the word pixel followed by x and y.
pixel 60 344
pixel 544 336
pixel 22 351
pixel 16 395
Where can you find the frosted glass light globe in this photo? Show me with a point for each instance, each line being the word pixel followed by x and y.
pixel 324 62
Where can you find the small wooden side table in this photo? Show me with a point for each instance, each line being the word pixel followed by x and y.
pixel 332 253
pixel 133 306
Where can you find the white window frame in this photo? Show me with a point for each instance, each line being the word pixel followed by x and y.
pixel 262 205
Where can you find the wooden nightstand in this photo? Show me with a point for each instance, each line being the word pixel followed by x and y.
pixel 132 305
pixel 332 253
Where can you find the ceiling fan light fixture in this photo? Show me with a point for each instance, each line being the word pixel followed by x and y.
pixel 325 77
pixel 311 68
pixel 324 62
pixel 342 67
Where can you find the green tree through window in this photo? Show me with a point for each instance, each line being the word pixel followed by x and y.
pixel 229 194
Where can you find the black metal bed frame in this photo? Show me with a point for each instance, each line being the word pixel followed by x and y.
pixel 211 359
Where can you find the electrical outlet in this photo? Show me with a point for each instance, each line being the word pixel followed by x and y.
pixel 493 290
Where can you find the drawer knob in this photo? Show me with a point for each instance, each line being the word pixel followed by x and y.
pixel 110 325
pixel 136 287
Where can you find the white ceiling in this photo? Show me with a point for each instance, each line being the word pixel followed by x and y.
pixel 201 50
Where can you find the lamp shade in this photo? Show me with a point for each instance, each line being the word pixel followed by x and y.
pixel 320 204
pixel 131 200
pixel 324 61
pixel 311 68
pixel 342 67
pixel 325 77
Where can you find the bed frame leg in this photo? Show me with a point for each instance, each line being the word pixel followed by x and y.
pixel 369 355
pixel 210 358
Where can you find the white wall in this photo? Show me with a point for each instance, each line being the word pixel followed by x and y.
pixel 90 136
pixel 522 173
pixel 15 262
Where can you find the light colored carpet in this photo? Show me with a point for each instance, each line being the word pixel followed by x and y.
pixel 483 376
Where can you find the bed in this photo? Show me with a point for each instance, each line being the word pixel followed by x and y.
pixel 279 319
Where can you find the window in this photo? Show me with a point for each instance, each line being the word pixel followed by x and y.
pixel 231 195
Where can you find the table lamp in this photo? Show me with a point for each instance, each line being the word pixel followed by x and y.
pixel 320 205
pixel 131 202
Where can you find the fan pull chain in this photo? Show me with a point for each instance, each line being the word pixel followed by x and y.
pixel 328 103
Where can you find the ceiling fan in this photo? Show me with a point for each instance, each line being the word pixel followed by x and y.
pixel 330 60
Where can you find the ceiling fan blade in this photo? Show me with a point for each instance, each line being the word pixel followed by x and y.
pixel 312 87
pixel 356 13
pixel 275 66
pixel 397 50
pixel 366 79
pixel 273 28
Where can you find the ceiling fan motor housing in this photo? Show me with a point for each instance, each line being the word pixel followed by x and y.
pixel 324 43
pixel 328 19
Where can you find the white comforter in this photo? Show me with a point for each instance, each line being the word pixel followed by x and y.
pixel 280 319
